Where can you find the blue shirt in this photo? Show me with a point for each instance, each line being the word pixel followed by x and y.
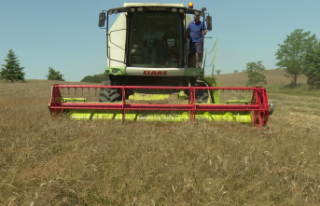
pixel 196 31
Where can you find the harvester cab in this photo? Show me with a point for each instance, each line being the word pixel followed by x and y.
pixel 147 44
pixel 152 73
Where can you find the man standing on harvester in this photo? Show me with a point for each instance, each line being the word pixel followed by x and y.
pixel 195 31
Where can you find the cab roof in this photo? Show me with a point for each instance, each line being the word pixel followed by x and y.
pixel 153 4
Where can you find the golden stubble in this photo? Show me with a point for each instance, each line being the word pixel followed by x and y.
pixel 57 161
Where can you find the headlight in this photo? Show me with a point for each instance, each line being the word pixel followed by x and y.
pixel 132 9
pixel 115 71
pixel 140 9
pixel 115 11
pixel 181 10
pixel 174 9
pixel 110 12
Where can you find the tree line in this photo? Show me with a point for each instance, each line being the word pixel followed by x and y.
pixel 12 71
pixel 299 54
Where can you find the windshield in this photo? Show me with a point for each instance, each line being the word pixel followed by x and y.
pixel 155 40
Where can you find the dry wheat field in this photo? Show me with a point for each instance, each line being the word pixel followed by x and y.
pixel 56 161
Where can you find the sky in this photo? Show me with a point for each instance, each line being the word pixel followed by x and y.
pixel 64 34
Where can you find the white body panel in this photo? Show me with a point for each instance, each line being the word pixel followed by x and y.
pixel 117 42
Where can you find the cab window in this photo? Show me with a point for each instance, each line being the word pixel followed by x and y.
pixel 155 40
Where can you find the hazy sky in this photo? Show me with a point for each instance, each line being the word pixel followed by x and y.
pixel 64 34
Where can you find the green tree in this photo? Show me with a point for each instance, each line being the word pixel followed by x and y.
pixel 12 70
pixel 218 71
pixel 87 79
pixel 97 78
pixel 312 68
pixel 253 73
pixel 292 54
pixel 235 71
pixel 54 75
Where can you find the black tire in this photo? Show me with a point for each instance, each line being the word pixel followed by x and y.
pixel 115 97
pixel 103 99
pixel 110 95
pixel 105 93
pixel 202 96
pixel 113 91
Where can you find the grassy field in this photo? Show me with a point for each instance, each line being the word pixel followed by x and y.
pixel 55 161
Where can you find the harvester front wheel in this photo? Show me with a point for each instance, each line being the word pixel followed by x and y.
pixel 109 95
pixel 115 95
pixel 104 95
pixel 202 95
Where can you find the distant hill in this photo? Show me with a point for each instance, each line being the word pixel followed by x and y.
pixel 274 77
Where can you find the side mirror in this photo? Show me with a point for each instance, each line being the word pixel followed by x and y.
pixel 209 23
pixel 102 19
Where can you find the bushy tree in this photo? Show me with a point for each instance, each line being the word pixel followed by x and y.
pixel 12 70
pixel 292 54
pixel 312 69
pixel 54 75
pixel 235 71
pixel 97 78
pixel 253 73
pixel 88 78
pixel 218 71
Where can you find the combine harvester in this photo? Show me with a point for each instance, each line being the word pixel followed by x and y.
pixel 155 80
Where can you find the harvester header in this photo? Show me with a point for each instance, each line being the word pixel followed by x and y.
pixel 254 110
pixel 156 72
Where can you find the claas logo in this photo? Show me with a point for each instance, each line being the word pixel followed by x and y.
pixel 155 73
